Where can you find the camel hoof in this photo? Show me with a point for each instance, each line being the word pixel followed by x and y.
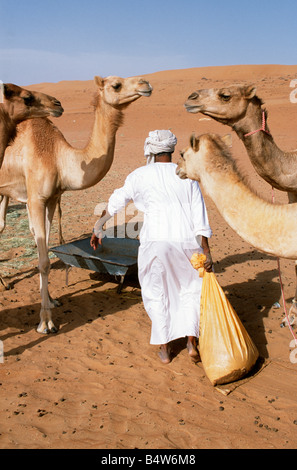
pixel 4 287
pixel 53 330
pixel 46 328
pixel 47 331
pixel 44 331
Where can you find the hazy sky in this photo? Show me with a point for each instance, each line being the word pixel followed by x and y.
pixel 53 40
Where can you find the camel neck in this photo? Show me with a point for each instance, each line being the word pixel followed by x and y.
pixel 93 162
pixel 7 130
pixel 252 121
pixel 107 121
pixel 248 215
pixel 260 146
pixel 260 129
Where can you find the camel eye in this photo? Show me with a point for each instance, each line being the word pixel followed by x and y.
pixel 29 100
pixel 182 155
pixel 117 86
pixel 225 96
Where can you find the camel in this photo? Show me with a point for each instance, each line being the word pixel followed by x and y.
pixel 266 226
pixel 19 104
pixel 239 107
pixel 44 165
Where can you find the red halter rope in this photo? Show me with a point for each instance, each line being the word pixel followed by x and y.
pixel 262 128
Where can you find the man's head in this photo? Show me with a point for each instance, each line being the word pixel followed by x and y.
pixel 158 145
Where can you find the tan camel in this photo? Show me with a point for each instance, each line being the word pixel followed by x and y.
pixel 40 165
pixel 18 104
pixel 240 108
pixel 268 227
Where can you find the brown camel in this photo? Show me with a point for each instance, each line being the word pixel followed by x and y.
pixel 40 165
pixel 240 108
pixel 266 226
pixel 17 105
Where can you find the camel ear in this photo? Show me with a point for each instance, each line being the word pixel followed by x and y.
pixel 99 81
pixel 194 143
pixel 8 90
pixel 1 91
pixel 5 91
pixel 250 91
pixel 227 139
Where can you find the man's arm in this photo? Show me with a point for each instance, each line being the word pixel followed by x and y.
pixel 98 228
pixel 206 250
pixel 117 201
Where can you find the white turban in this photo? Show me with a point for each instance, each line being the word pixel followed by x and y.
pixel 159 142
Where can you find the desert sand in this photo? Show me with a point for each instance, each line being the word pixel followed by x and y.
pixel 98 383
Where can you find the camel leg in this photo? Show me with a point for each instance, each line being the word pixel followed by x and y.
pixel 31 228
pixel 37 212
pixel 59 208
pixel 3 211
pixel 49 214
pixel 293 310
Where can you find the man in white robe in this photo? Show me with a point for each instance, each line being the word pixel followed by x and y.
pixel 175 226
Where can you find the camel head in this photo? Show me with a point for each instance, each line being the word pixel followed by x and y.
pixel 23 104
pixel 120 92
pixel 226 105
pixel 207 153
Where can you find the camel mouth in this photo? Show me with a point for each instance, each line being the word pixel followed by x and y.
pixel 146 93
pixel 180 173
pixel 56 112
pixel 193 108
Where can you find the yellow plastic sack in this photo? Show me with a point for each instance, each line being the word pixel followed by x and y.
pixel 226 349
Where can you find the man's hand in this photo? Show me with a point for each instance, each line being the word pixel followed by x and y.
pixel 97 236
pixel 95 241
pixel 208 263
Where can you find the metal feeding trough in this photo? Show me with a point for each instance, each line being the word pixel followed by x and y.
pixel 116 256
